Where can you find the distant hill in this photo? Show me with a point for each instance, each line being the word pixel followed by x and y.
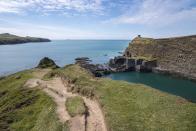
pixel 7 38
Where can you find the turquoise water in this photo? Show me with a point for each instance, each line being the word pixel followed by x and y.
pixel 176 86
pixel 15 58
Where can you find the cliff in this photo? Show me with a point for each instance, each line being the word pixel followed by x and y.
pixel 7 38
pixel 174 55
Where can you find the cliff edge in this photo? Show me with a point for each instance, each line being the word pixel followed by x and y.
pixel 175 56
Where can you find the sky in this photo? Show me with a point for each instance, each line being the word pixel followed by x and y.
pixel 98 19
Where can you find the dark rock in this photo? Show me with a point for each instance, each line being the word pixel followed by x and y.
pixel 139 61
pixel 117 61
pixel 47 63
pixel 97 70
pixel 82 60
pixel 130 64
pixel 149 65
pixel 122 64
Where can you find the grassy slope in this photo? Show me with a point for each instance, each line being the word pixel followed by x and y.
pixel 13 39
pixel 75 106
pixel 133 106
pixel 23 109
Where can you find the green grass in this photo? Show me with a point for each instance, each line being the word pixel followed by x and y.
pixel 141 40
pixel 134 107
pixel 23 109
pixel 149 58
pixel 7 38
pixel 75 106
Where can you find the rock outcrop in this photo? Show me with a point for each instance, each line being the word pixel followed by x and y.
pixel 123 64
pixel 176 56
pixel 47 63
pixel 97 70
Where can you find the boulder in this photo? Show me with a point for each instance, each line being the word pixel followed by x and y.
pixel 47 63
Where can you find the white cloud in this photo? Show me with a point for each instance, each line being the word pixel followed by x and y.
pixel 46 31
pixel 158 12
pixel 18 6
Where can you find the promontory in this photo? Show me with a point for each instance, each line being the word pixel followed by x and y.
pixel 174 56
pixel 6 39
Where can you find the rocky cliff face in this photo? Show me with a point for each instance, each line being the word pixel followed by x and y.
pixel 174 55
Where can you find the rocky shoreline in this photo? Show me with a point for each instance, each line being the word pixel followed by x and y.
pixel 123 64
pixel 170 56
pixel 118 64
pixel 174 73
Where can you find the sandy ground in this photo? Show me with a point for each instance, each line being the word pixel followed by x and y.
pixel 58 91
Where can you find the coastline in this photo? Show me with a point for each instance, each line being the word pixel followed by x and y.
pixel 9 39
pixel 174 74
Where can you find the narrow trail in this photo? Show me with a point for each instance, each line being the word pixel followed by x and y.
pixel 95 120
pixel 56 89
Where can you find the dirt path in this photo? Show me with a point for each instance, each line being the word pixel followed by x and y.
pixel 95 120
pixel 58 91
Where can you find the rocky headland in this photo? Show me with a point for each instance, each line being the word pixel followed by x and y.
pixel 174 56
pixel 9 39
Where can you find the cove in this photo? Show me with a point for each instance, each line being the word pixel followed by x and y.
pixel 169 84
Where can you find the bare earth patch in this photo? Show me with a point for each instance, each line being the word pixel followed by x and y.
pixel 56 89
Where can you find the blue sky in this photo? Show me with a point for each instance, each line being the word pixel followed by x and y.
pixel 98 19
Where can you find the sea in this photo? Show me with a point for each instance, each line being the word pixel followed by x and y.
pixel 14 58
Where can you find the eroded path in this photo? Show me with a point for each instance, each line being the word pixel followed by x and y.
pixel 57 89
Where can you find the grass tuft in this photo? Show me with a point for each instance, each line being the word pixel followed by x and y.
pixel 76 106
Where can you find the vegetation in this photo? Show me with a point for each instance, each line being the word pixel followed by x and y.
pixel 126 106
pixel 76 106
pixel 132 106
pixel 7 38
pixel 149 58
pixel 23 109
pixel 47 63
pixel 141 40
